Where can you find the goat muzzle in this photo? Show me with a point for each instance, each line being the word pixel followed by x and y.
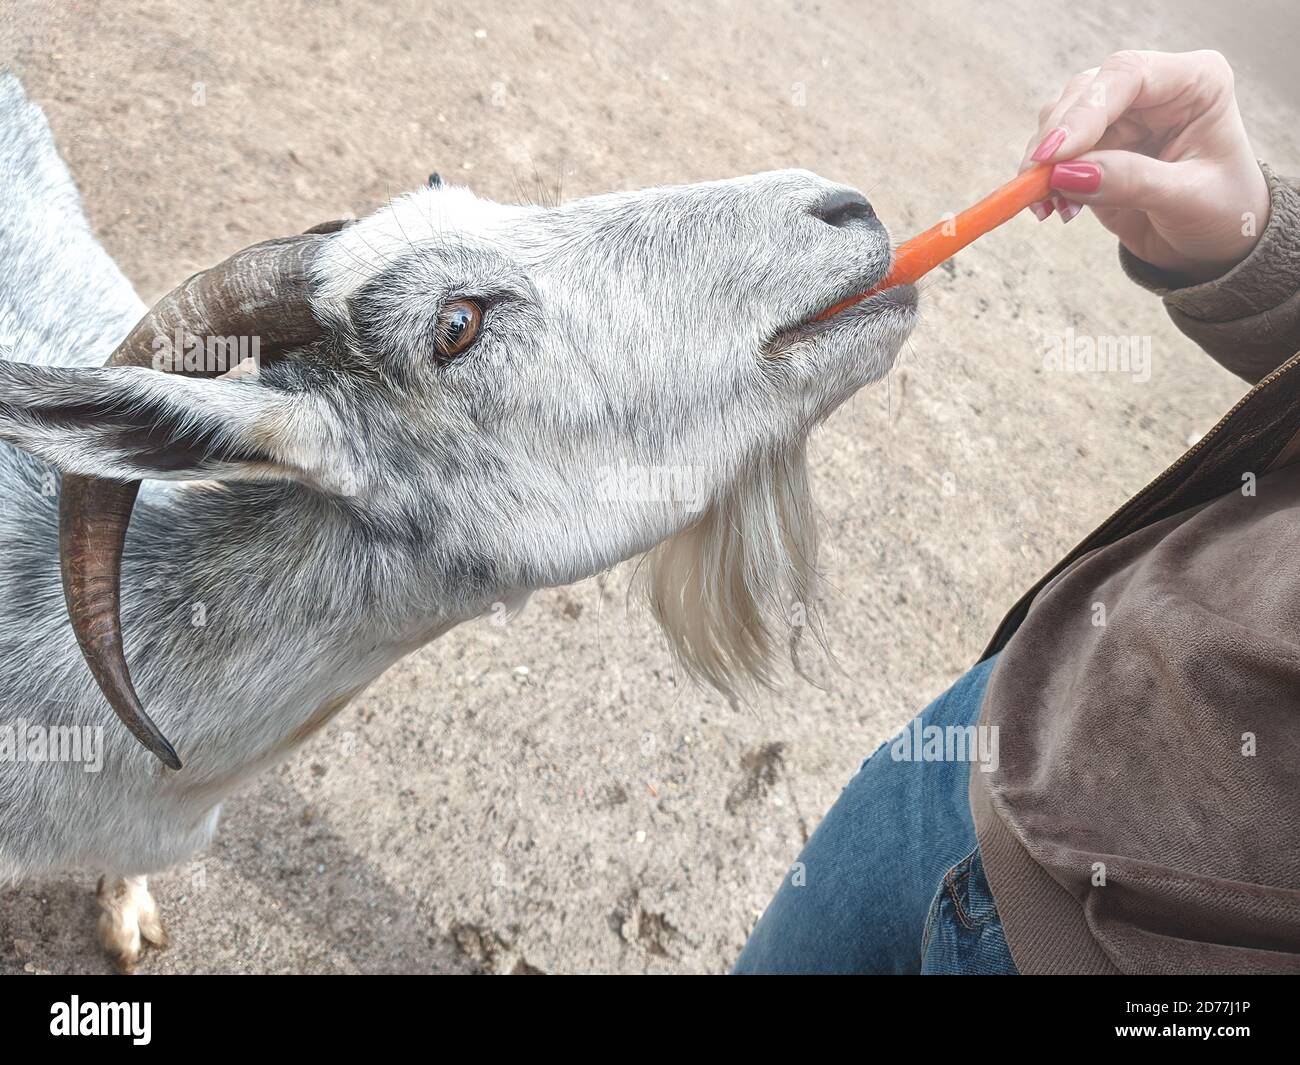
pixel 263 291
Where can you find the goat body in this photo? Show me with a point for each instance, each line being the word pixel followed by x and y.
pixel 330 512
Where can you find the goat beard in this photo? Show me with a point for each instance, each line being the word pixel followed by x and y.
pixel 742 580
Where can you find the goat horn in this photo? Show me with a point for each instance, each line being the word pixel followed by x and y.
pixel 261 291
pixel 332 226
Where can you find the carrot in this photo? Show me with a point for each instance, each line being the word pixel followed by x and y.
pixel 917 257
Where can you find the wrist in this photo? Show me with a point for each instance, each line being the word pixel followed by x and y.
pixel 1263 278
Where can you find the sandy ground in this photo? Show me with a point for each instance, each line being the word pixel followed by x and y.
pixel 549 795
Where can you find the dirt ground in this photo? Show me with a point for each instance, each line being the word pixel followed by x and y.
pixel 548 795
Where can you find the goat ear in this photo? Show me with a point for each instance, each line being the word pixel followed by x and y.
pixel 132 423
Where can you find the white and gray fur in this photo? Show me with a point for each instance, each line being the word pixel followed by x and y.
pixel 398 495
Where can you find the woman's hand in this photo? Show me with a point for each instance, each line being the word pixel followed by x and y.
pixel 1153 143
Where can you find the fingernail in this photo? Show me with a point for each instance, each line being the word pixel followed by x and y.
pixel 1051 142
pixel 1067 209
pixel 1076 177
pixel 1042 210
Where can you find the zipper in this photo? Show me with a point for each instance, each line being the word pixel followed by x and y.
pixel 1097 538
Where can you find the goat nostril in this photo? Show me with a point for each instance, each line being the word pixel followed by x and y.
pixel 843 209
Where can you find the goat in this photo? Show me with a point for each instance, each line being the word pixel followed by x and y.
pixel 449 410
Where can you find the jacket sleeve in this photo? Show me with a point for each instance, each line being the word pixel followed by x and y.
pixel 1249 319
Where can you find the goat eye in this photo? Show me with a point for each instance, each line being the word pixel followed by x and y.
pixel 458 325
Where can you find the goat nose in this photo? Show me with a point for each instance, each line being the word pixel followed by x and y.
pixel 844 208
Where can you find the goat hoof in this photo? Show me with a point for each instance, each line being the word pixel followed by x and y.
pixel 128 919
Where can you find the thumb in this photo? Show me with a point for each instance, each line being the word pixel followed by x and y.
pixel 1126 180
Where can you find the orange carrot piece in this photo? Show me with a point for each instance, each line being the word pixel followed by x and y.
pixel 917 257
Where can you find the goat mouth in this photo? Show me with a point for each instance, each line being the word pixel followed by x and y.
pixel 898 301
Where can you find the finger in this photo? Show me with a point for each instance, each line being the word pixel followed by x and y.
pixel 1132 80
pixel 1131 227
pixel 1067 209
pixel 1129 135
pixel 1049 116
pixel 1126 180
pixel 1125 135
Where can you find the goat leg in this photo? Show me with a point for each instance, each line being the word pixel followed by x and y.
pixel 128 918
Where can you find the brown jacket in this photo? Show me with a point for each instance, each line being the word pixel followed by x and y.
pixel 1145 813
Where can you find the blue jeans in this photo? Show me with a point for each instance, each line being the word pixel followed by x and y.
pixel 891 881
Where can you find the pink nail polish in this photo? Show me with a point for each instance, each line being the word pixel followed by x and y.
pixel 1067 210
pixel 1051 142
pixel 1042 210
pixel 1076 177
